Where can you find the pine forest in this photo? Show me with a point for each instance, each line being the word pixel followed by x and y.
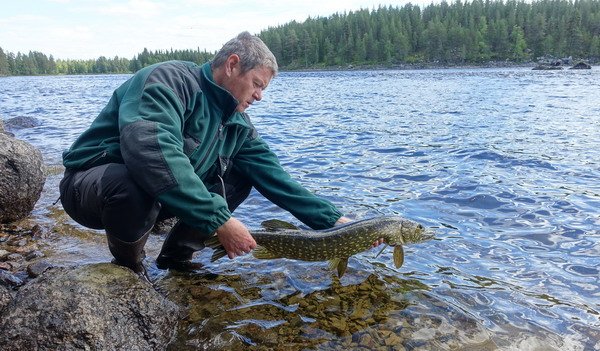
pixel 458 33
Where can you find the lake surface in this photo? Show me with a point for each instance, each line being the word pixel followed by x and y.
pixel 504 164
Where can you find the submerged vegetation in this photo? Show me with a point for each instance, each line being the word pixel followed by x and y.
pixel 471 32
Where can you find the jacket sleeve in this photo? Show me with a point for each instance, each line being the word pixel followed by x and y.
pixel 262 166
pixel 151 120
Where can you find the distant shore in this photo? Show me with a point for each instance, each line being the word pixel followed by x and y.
pixel 374 67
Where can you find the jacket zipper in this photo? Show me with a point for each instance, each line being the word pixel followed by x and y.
pixel 210 148
pixel 93 161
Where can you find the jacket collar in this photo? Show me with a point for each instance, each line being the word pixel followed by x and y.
pixel 225 101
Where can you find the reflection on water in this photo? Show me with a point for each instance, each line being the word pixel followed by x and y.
pixel 504 163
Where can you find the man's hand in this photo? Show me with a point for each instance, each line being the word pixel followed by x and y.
pixel 235 238
pixel 343 220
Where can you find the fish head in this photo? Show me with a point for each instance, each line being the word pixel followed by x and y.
pixel 403 231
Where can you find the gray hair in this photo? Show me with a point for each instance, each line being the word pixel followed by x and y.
pixel 252 52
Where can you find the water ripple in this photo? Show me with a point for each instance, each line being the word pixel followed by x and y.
pixel 503 163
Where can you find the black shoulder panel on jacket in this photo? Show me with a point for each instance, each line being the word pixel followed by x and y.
pixel 253 133
pixel 178 76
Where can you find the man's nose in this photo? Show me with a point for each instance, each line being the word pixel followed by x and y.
pixel 258 95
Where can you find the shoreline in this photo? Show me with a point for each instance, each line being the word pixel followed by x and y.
pixel 366 67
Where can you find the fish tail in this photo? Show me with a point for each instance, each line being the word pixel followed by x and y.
pixel 218 249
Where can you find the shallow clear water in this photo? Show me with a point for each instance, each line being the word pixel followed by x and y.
pixel 503 163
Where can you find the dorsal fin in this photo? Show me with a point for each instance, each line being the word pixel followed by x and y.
pixel 277 224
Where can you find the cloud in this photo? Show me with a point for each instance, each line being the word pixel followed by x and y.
pixel 92 28
pixel 134 8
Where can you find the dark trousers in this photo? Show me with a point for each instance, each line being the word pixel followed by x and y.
pixel 106 197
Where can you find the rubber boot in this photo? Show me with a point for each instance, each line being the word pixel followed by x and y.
pixel 129 254
pixel 178 248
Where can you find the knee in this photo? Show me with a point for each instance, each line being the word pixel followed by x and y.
pixel 129 211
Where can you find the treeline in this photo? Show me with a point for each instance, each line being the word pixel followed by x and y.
pixel 37 63
pixel 461 32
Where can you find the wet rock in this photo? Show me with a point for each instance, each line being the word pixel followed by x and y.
pixel 18 242
pixel 36 269
pixel 22 122
pixel 544 67
pixel 581 65
pixel 15 257
pixel 9 279
pixel 34 254
pixel 21 166
pixel 92 307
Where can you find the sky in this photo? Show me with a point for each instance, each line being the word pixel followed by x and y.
pixel 88 29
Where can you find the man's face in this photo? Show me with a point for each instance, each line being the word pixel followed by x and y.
pixel 247 87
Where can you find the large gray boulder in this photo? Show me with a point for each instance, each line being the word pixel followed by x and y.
pixel 93 307
pixel 5 296
pixel 22 180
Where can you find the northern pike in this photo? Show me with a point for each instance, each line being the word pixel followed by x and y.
pixel 336 245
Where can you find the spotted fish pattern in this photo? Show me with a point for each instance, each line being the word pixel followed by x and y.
pixel 336 244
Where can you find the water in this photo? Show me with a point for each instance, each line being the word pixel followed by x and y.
pixel 503 163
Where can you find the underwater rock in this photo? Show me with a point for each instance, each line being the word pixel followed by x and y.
pixel 544 67
pixel 22 181
pixel 93 307
pixel 22 122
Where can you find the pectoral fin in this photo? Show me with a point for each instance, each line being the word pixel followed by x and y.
pixel 398 256
pixel 262 253
pixel 339 264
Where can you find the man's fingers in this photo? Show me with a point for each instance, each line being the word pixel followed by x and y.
pixel 378 242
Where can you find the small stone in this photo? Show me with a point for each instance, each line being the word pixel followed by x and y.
pixel 34 254
pixel 5 266
pixel 366 340
pixel 26 250
pixel 36 269
pixel 393 340
pixel 18 242
pixel 9 279
pixel 15 257
pixel 37 232
pixel 3 254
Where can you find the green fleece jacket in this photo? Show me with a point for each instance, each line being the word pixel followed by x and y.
pixel 176 130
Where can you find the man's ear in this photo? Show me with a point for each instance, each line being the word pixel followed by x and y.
pixel 232 63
